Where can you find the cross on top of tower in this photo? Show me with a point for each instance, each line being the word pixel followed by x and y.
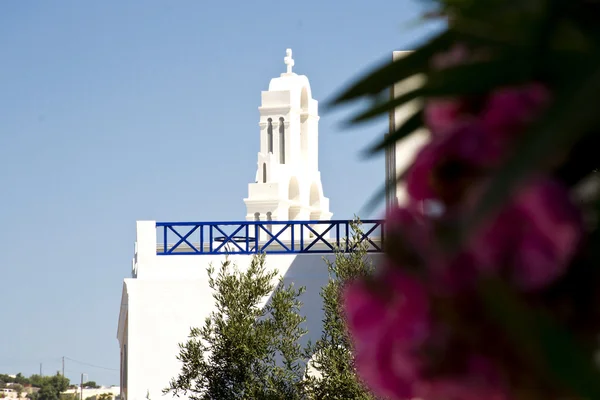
pixel 288 60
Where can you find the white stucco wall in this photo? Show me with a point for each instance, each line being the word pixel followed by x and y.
pixel 170 294
pixel 406 148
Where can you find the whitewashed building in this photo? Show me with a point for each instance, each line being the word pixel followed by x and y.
pixel 399 157
pixel 288 217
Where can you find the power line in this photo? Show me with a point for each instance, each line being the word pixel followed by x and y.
pixel 51 361
pixel 7 362
pixel 90 365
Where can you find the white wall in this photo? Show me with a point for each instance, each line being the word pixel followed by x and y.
pixel 113 390
pixel 170 294
pixel 406 149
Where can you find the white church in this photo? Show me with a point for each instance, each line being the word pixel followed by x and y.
pixel 288 218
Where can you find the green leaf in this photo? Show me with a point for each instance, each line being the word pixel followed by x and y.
pixel 551 350
pixel 383 77
pixel 413 123
pixel 387 106
pixel 572 115
pixel 466 79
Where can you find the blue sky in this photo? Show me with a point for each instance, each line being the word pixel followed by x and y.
pixel 117 111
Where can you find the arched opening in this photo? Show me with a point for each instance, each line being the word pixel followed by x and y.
pixel 304 99
pixel 264 173
pixel 294 190
pixel 281 141
pixel 315 195
pixel 270 135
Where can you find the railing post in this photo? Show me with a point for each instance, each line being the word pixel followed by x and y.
pixel 347 236
pixel 383 233
pixel 256 232
pixel 247 238
pixel 201 227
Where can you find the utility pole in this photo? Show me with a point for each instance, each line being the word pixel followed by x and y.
pixel 82 374
pixel 41 369
pixel 63 365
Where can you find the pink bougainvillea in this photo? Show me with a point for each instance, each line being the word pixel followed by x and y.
pixel 533 238
pixel 387 327
pixel 502 113
pixel 508 110
pixel 415 326
pixel 444 166
pixel 442 115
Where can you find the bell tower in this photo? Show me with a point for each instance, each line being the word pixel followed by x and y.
pixel 288 182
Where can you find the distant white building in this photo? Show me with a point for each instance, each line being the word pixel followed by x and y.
pixel 287 217
pixel 113 391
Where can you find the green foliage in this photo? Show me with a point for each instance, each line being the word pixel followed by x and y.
pixel 91 384
pixel 245 350
pixel 51 387
pixel 104 396
pixel 18 379
pixel 37 380
pixel 550 348
pixel 333 359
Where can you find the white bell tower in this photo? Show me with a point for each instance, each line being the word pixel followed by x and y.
pixel 288 182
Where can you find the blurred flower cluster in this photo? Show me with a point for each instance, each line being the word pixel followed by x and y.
pixel 508 308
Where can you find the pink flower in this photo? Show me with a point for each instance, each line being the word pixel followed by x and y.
pixel 442 115
pixel 533 238
pixel 508 110
pixel 386 327
pixel 464 144
pixel 456 55
pixel 443 166
pixel 529 242
pixel 505 112
pixel 413 227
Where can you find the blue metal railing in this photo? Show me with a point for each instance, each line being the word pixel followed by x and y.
pixel 273 237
